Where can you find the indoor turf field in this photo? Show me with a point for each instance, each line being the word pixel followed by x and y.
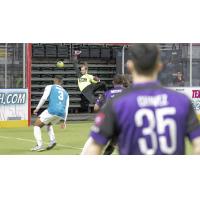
pixel 70 141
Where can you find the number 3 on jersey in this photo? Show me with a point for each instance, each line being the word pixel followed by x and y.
pixel 159 122
pixel 61 95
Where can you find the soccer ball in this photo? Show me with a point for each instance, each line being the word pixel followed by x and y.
pixel 60 64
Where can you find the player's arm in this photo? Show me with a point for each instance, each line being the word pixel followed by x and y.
pixel 94 79
pixel 193 130
pixel 75 63
pixel 99 103
pixel 63 125
pixel 103 130
pixel 96 107
pixel 43 98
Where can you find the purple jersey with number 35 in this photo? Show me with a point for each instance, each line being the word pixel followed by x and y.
pixel 147 119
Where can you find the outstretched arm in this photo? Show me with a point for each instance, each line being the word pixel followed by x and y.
pixel 43 98
pixel 76 66
pixel 75 63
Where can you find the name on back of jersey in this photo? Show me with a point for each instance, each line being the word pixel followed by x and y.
pixel 115 91
pixel 155 101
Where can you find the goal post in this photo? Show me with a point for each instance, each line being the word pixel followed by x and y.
pixel 28 69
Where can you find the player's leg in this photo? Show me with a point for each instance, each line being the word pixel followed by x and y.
pixel 54 120
pixel 44 119
pixel 94 88
pixel 89 94
pixel 52 138
pixel 99 86
pixel 38 136
pixel 84 103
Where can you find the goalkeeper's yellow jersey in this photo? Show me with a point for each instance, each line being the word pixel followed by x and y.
pixel 85 80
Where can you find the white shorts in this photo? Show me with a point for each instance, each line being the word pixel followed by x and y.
pixel 47 118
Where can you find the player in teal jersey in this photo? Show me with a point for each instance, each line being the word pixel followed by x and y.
pixel 57 111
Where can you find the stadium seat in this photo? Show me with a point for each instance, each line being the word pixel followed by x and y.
pixel 63 51
pixel 38 51
pixel 195 82
pixel 105 53
pixel 51 51
pixel 94 52
pixel 59 72
pixel 115 50
pixel 84 52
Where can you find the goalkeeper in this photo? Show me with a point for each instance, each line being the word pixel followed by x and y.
pixel 87 83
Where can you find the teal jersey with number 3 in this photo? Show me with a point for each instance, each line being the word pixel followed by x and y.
pixel 57 101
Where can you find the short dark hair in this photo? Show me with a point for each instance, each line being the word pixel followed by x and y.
pixel 118 79
pixel 127 80
pixel 59 77
pixel 144 57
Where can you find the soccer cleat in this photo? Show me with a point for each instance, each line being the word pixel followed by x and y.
pixel 38 148
pixel 51 145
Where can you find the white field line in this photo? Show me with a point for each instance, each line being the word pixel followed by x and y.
pixel 33 141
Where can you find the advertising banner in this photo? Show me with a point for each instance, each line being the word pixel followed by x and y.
pixel 193 93
pixel 13 107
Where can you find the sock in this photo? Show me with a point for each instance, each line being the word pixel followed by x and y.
pixel 51 133
pixel 38 135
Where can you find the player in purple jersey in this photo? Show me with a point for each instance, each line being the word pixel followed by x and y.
pixel 146 118
pixel 117 88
